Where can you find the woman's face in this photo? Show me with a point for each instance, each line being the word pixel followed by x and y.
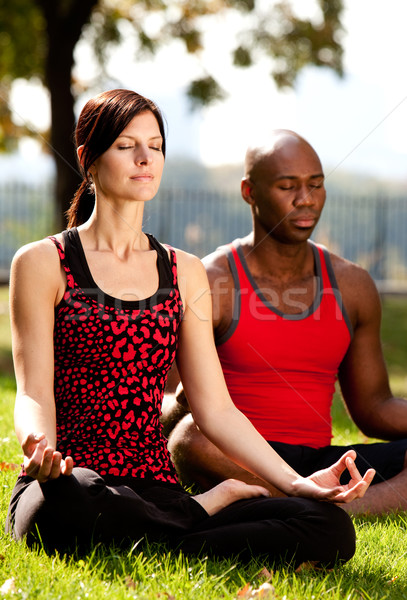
pixel 132 167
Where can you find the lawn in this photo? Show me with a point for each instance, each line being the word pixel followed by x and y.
pixel 378 570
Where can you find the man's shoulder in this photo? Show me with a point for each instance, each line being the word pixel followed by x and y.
pixel 219 258
pixel 346 268
pixel 217 264
pixel 353 279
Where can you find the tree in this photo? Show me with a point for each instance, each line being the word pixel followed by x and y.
pixel 38 39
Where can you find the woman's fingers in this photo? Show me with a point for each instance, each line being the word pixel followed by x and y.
pixel 45 467
pixel 67 466
pixel 357 490
pixel 55 469
pixel 41 461
pixel 353 470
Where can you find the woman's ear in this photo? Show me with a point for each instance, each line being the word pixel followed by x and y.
pixel 79 152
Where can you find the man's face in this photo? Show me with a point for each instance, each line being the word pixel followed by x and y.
pixel 287 191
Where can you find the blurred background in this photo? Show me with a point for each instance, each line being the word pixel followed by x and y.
pixel 224 73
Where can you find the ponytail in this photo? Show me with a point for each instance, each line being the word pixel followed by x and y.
pixel 82 205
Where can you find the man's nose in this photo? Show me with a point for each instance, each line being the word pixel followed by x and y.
pixel 304 196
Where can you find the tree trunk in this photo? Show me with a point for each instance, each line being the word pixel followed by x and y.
pixel 65 21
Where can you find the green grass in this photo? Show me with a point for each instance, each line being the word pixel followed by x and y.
pixel 378 570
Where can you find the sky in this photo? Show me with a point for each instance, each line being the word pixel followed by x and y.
pixel 357 123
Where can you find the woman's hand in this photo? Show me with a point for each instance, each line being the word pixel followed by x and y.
pixel 325 484
pixel 41 461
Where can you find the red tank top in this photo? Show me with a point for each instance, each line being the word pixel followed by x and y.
pixel 111 363
pixel 281 369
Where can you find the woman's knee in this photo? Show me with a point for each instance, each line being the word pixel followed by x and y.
pixel 60 511
pixel 336 532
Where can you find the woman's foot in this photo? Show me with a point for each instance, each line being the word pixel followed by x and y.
pixel 227 492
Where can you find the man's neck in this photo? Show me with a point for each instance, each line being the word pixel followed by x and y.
pixel 268 257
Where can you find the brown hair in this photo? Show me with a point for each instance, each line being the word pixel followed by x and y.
pixel 100 123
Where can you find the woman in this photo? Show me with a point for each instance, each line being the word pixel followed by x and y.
pixel 99 312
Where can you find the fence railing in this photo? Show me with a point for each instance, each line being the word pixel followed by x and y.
pixel 367 230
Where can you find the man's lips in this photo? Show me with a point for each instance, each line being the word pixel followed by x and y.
pixel 305 221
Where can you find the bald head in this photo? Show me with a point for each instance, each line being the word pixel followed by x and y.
pixel 282 147
pixel 284 185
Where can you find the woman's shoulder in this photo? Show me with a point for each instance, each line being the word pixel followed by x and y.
pixel 187 261
pixel 191 275
pixel 37 262
pixel 43 250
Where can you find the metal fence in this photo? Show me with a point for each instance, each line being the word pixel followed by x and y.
pixel 367 230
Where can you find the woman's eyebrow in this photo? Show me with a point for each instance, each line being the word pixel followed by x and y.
pixel 131 137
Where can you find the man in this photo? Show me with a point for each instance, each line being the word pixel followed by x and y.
pixel 289 317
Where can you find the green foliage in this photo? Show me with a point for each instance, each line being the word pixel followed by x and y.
pixel 39 37
pixel 22 40
pixel 204 91
pixel 242 57
pixel 295 43
pixel 22 50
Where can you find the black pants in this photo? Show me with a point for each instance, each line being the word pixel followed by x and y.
pixel 76 511
pixel 387 458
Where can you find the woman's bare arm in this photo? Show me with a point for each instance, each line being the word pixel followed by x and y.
pixel 36 285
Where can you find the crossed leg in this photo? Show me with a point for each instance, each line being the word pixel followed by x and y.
pixel 198 461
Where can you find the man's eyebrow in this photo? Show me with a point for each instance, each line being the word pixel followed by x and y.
pixel 316 176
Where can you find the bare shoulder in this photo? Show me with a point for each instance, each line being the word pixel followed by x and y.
pixel 192 278
pixel 350 274
pixel 37 265
pixel 358 290
pixel 40 253
pixel 217 266
pixel 188 264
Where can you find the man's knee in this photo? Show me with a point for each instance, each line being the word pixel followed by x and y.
pixel 185 442
pixel 192 454
pixel 172 412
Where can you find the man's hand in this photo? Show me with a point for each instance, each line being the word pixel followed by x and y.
pixel 325 484
pixel 41 461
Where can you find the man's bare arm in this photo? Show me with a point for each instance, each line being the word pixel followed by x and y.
pixel 363 373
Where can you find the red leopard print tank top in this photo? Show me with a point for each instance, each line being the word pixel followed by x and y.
pixel 111 363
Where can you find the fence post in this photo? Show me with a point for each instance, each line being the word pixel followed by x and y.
pixel 378 270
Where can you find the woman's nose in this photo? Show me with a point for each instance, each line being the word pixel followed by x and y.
pixel 143 156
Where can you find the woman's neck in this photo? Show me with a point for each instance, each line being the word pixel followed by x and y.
pixel 120 231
